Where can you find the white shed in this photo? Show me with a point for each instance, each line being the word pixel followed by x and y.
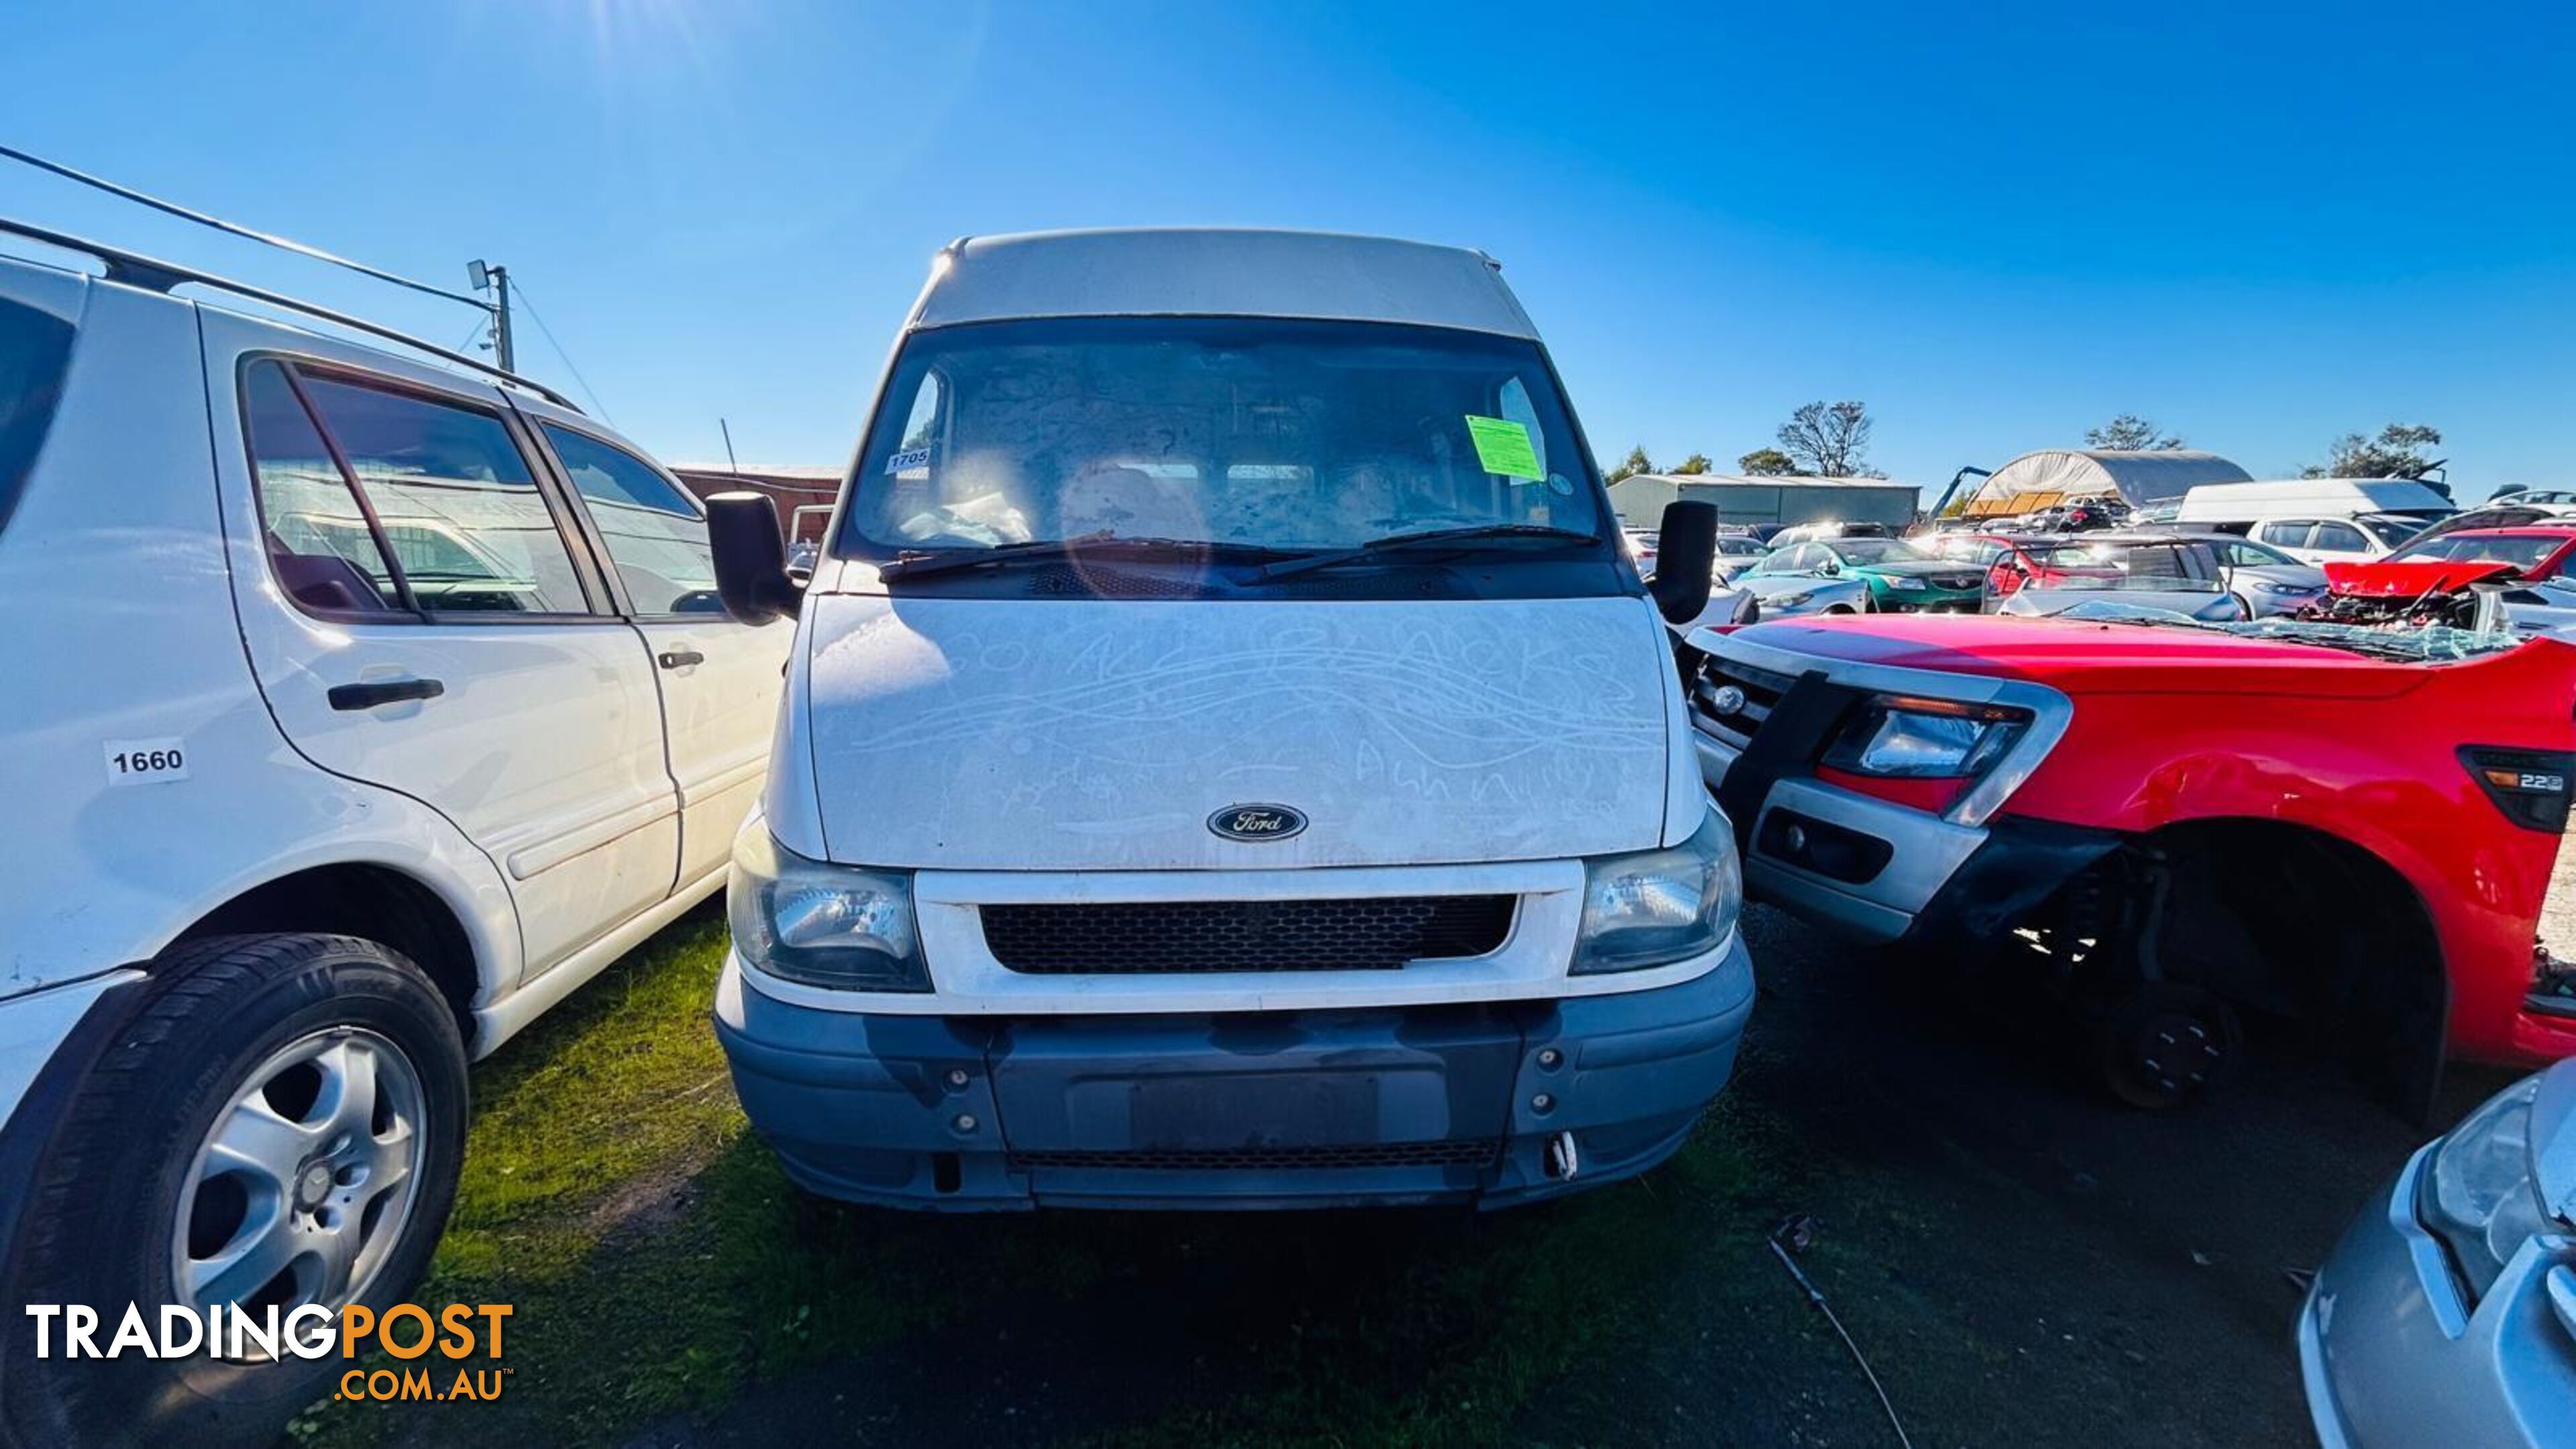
pixel 2052 475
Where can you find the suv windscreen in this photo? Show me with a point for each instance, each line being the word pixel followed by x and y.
pixel 35 347
pixel 1250 438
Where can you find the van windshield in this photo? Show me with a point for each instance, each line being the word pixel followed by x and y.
pixel 1265 436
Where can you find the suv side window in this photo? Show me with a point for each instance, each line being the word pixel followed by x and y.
pixel 453 499
pixel 655 538
pixel 35 348
pixel 2284 534
pixel 2341 537
pixel 322 547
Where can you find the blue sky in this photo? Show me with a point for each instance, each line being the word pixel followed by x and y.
pixel 2259 225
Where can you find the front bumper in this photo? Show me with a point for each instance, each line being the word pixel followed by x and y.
pixel 1928 601
pixel 2390 1354
pixel 1465 1103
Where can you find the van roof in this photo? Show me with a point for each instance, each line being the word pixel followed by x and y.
pixel 1217 272
pixel 2284 496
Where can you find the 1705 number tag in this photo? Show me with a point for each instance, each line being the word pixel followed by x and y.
pixel 146 762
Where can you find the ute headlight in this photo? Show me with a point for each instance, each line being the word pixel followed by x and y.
pixel 1791 601
pixel 807 921
pixel 1656 907
pixel 1899 737
pixel 1905 581
pixel 2478 1195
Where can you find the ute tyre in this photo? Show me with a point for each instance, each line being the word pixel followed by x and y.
pixel 2165 1044
pixel 378 1046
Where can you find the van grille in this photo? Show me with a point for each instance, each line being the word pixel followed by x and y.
pixel 1463 1152
pixel 1379 933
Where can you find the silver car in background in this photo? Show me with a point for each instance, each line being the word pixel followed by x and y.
pixel 2265 580
pixel 2448 1313
pixel 2156 571
pixel 1787 590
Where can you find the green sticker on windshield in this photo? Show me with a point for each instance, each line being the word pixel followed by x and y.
pixel 1503 446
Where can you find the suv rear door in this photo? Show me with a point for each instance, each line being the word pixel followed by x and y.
pixel 428 622
pixel 719 679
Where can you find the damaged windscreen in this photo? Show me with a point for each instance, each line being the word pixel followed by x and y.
pixel 1266 439
pixel 2429 644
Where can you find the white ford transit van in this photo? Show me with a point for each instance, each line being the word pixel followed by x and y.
pixel 1228 758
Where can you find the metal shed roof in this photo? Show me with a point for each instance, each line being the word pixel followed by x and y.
pixel 1219 273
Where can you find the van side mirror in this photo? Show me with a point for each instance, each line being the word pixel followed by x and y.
pixel 1685 560
pixel 750 557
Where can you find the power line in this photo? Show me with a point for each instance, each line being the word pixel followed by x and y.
pixel 569 366
pixel 234 229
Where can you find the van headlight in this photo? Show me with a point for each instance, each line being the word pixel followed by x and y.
pixel 1900 737
pixel 819 924
pixel 1660 906
pixel 2478 1195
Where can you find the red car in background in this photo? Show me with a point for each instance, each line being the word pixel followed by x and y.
pixel 2428 581
pixel 2015 561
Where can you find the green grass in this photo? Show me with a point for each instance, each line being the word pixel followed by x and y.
pixel 661 1265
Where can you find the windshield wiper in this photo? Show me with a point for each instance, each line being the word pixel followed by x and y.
pixel 1435 538
pixel 917 563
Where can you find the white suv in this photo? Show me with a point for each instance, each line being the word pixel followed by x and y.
pixel 356 711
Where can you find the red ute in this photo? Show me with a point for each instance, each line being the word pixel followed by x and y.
pixel 2174 823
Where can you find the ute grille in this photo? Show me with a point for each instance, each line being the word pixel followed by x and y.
pixel 1378 933
pixel 1761 690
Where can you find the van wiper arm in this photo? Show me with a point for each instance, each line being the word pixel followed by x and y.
pixel 920 563
pixel 1435 538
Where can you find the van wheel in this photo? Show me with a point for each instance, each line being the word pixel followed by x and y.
pixel 278 1125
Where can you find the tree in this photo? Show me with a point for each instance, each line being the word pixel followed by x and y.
pixel 2398 452
pixel 1766 463
pixel 1696 463
pixel 2130 433
pixel 1637 463
pixel 1829 440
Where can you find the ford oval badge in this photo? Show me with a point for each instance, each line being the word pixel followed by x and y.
pixel 1257 822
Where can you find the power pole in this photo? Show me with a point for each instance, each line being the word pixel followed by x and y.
pixel 501 321
pixel 495 278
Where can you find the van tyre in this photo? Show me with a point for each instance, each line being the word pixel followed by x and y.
pixel 280 1121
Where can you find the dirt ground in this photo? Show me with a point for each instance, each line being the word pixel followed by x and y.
pixel 2022 1261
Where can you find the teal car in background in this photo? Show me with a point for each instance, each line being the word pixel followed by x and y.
pixel 1899 578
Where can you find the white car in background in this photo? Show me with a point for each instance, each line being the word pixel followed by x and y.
pixel 360 711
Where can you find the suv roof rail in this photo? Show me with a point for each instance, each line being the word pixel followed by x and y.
pixel 136 270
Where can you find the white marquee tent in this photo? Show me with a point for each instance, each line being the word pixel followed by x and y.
pixel 2052 475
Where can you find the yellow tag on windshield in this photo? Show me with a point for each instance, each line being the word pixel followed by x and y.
pixel 1503 446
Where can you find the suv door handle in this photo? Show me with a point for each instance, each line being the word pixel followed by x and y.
pixel 391 691
pixel 680 658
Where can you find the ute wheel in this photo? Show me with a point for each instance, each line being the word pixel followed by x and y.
pixel 1840 609
pixel 2164 1044
pixel 280 1122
